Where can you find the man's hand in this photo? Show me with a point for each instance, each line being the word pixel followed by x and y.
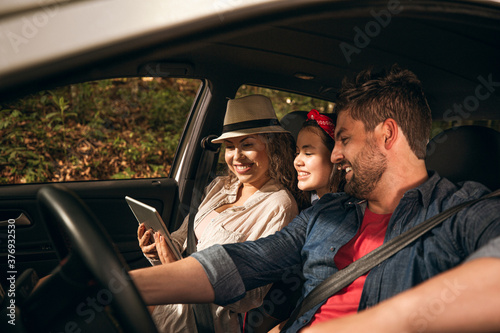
pixel 183 281
pixel 164 253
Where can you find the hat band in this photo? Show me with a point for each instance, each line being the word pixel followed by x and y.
pixel 250 124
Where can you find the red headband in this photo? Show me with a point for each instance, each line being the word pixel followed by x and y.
pixel 323 121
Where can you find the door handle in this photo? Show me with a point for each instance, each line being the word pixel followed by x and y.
pixel 20 220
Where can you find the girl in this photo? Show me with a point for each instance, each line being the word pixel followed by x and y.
pixel 316 174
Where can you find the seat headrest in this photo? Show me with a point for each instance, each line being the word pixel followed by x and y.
pixel 293 121
pixel 466 153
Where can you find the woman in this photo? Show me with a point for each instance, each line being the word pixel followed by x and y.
pixel 316 173
pixel 256 199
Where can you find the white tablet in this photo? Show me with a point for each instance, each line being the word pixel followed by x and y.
pixel 152 220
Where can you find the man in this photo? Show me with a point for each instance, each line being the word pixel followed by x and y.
pixel 381 134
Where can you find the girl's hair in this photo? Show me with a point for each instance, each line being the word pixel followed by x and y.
pixel 335 181
pixel 280 149
pixel 313 126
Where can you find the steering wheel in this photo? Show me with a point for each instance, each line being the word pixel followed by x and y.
pixel 62 209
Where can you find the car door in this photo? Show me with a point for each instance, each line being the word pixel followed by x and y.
pixel 24 242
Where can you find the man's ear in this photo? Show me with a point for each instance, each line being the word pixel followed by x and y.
pixel 390 132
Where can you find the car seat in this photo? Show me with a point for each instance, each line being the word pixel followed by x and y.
pixel 466 153
pixel 293 121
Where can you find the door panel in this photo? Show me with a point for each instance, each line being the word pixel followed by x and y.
pixel 105 199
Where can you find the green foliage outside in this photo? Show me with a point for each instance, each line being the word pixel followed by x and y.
pixel 111 129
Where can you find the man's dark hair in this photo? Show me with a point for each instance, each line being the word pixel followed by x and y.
pixel 372 98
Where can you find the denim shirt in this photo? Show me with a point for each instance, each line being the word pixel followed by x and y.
pixel 310 242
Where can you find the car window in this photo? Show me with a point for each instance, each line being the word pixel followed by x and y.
pixel 110 129
pixel 285 102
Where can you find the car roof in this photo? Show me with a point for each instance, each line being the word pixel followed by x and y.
pixel 296 45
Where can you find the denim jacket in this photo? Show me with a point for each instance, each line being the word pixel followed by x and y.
pixel 309 243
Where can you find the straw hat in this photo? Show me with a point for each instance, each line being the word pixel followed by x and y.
pixel 249 115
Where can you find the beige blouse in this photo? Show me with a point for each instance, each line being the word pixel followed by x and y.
pixel 265 212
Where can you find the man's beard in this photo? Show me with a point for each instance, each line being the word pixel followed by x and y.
pixel 367 168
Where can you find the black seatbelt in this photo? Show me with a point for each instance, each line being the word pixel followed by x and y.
pixel 341 279
pixel 202 312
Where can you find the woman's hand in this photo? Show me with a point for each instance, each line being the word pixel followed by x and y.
pixel 146 242
pixel 164 252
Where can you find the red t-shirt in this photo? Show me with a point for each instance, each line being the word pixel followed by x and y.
pixel 369 236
